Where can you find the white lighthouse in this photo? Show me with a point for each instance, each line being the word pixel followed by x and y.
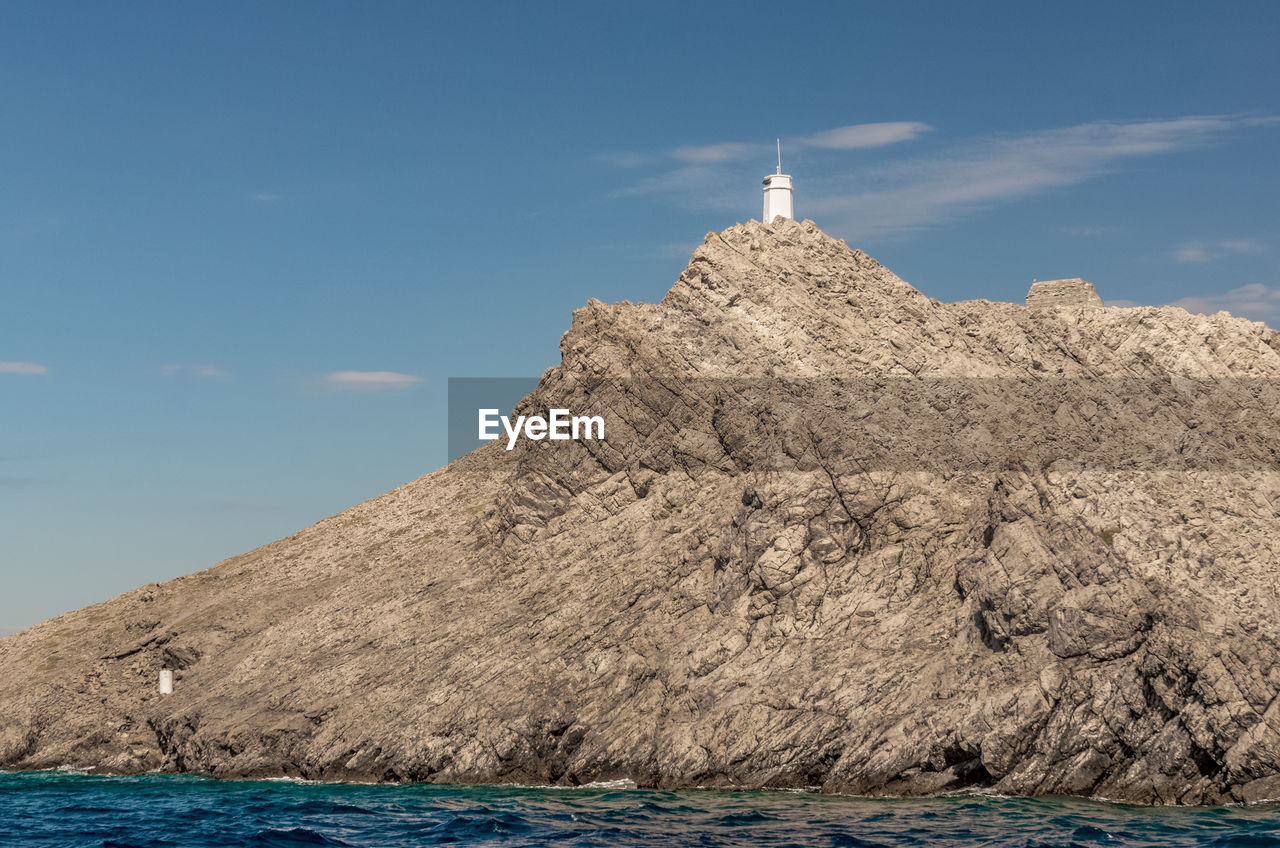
pixel 777 193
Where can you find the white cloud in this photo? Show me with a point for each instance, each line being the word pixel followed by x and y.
pixel 905 194
pixel 370 380
pixel 710 153
pixel 1203 251
pixel 30 369
pixel 627 159
pixel 924 191
pixel 193 370
pixel 691 158
pixel 863 135
pixel 1255 300
pixel 265 197
pixel 1241 245
pixel 695 186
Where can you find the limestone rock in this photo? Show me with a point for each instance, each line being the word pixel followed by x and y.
pixel 735 588
pixel 1047 294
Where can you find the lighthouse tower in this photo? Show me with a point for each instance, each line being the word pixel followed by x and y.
pixel 777 193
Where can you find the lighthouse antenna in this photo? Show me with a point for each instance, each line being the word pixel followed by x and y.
pixel 779 156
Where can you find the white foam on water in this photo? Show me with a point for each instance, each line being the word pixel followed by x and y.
pixel 286 779
pixel 623 783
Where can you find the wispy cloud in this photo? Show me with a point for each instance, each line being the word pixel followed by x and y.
pixel 904 194
pixel 628 158
pixel 1255 300
pixel 1203 251
pixel 862 135
pixel 369 380
pixel 707 154
pixel 265 197
pixel 919 192
pixel 698 186
pixel 719 153
pixel 173 370
pixel 30 369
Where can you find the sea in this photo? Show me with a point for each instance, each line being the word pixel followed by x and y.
pixel 63 808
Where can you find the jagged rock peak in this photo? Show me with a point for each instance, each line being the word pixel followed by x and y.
pixel 757 258
pixel 786 299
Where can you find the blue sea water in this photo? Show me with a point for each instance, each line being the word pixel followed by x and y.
pixel 69 809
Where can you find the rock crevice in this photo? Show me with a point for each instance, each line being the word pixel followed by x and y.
pixel 739 587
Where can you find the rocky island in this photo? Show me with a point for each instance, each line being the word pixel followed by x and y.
pixel 767 576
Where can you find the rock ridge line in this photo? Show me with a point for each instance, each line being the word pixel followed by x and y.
pixel 661 607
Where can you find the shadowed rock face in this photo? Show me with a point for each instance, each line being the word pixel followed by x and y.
pixel 668 606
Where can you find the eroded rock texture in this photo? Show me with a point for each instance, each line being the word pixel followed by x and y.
pixel 668 606
pixel 1046 294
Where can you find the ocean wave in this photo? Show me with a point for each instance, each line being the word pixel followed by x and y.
pixel 325 807
pixel 159 811
pixel 295 836
pixel 287 778
pixel 621 783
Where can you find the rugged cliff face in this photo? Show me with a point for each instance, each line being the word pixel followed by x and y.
pixel 1052 580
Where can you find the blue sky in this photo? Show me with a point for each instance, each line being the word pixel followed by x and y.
pixel 244 245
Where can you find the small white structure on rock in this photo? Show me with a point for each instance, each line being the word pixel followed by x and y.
pixel 166 681
pixel 777 193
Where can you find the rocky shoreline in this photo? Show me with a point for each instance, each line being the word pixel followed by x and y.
pixel 663 606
